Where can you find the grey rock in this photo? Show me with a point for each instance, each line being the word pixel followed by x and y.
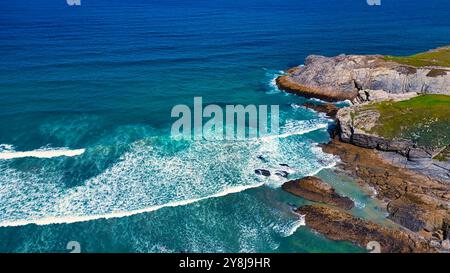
pixel 343 76
pixel 432 168
pixel 367 95
pixel 419 155
pixel 262 172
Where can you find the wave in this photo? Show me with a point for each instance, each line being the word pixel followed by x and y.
pixel 273 87
pixel 8 153
pixel 300 132
pixel 119 214
pixel 6 147
pixel 318 170
pixel 295 225
pixel 291 128
pixel 154 173
pixel 318 100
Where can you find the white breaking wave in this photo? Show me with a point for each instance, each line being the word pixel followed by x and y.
pixel 329 166
pixel 119 214
pixel 295 225
pixel 6 147
pixel 299 132
pixel 8 153
pixel 318 100
pixel 155 173
pixel 273 81
pixel 358 204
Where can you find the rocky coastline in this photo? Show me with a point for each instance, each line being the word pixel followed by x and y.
pixel 405 174
pixel 339 225
pixel 342 77
pixel 414 201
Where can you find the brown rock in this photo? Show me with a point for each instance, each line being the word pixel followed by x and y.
pixel 314 189
pixel 417 212
pixel 328 108
pixel 339 225
pixel 287 84
pixel 414 201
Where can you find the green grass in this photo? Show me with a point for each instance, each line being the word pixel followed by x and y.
pixel 444 155
pixel 423 119
pixel 437 57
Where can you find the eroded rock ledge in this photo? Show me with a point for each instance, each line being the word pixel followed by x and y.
pixel 339 225
pixel 314 189
pixel 416 202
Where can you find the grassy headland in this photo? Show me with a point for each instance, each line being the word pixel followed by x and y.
pixel 424 119
pixel 436 57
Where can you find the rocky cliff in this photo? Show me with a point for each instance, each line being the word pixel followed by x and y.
pixel 342 77
pixel 417 129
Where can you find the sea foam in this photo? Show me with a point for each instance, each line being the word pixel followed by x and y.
pixel 154 173
pixel 8 153
pixel 119 214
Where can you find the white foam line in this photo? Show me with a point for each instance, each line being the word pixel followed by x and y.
pixel 119 214
pixel 273 83
pixel 41 153
pixel 301 132
pixel 329 166
pixel 288 134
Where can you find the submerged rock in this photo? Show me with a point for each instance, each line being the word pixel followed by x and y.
pixel 262 158
pixel 339 225
pixel 262 172
pixel 314 189
pixel 284 174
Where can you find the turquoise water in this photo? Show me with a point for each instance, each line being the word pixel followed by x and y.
pixel 101 79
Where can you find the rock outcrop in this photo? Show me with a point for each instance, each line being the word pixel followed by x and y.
pixel 314 189
pixel 400 137
pixel 327 108
pixel 367 95
pixel 355 123
pixel 417 202
pixel 339 225
pixel 342 77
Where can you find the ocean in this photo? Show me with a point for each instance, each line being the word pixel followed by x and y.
pixel 86 93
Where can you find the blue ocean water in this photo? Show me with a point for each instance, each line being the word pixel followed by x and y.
pixel 102 78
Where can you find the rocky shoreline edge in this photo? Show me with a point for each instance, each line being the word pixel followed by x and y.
pixel 416 193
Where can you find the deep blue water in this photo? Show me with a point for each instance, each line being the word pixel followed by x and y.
pixel 104 77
